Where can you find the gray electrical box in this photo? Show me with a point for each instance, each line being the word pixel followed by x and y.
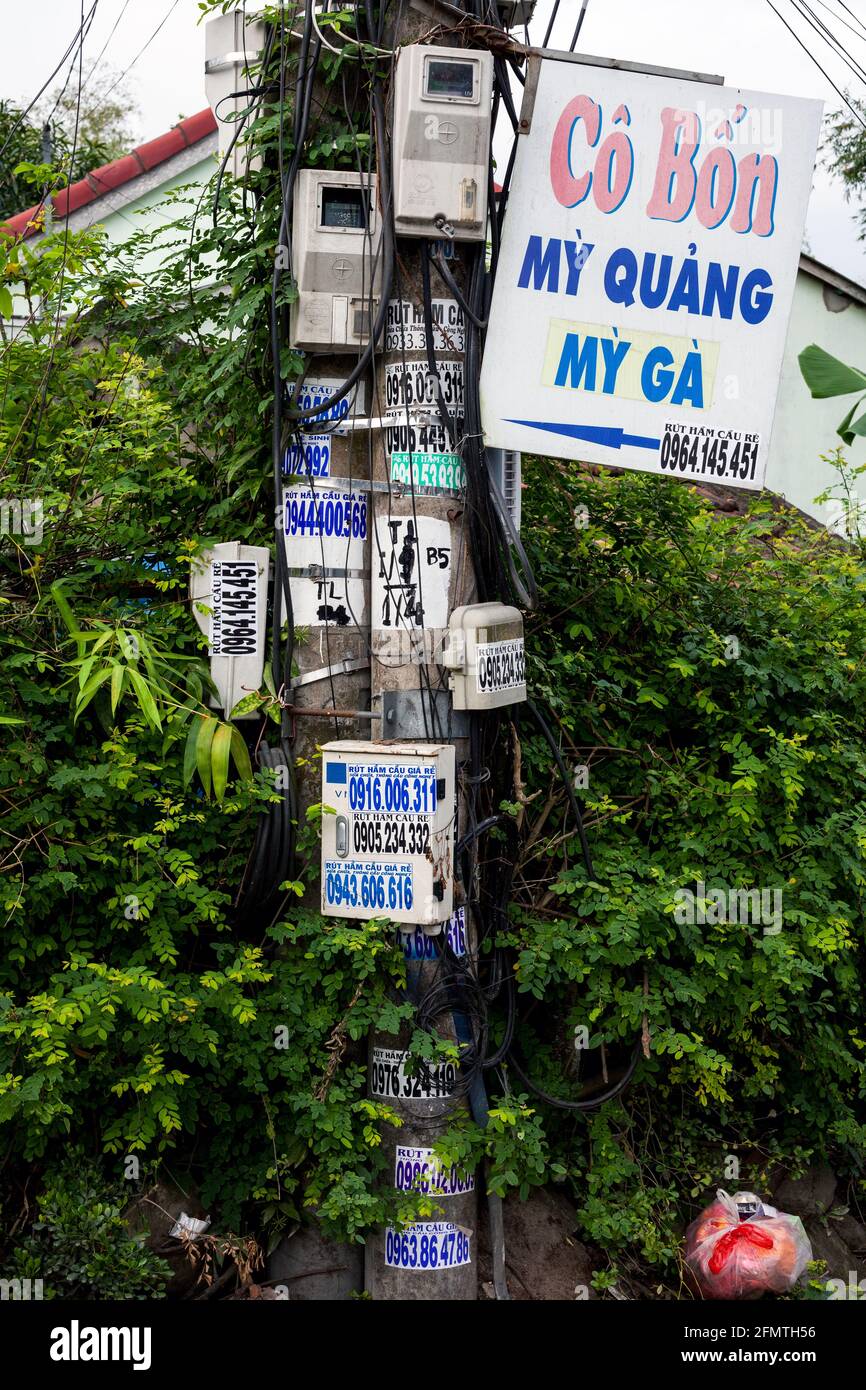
pixel 485 654
pixel 337 262
pixel 441 141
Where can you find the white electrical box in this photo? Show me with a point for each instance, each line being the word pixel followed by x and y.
pixel 233 45
pixel 485 654
pixel 388 831
pixel 337 260
pixel 441 142
pixel 229 591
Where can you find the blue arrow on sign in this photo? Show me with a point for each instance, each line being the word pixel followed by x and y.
pixel 609 437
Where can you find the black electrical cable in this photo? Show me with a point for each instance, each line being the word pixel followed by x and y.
pixel 591 1103
pixel 448 279
pixel 553 16
pixel 80 35
pixel 854 112
pixel 581 17
pixel 566 781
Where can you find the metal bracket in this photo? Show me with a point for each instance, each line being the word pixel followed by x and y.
pixel 536 56
pixel 323 673
pixel 422 714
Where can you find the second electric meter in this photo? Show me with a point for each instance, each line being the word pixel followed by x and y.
pixel 388 831
pixel 337 262
pixel 485 654
pixel 441 142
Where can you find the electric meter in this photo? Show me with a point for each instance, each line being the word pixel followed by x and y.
pixel 441 142
pixel 485 654
pixel 229 591
pixel 337 263
pixel 388 831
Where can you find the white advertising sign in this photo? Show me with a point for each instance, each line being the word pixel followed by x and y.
pixel 647 272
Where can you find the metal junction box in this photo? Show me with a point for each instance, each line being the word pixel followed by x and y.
pixel 441 141
pixel 388 831
pixel 337 262
pixel 485 654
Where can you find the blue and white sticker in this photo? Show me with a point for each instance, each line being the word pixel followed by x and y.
pixel 318 395
pixel 325 526
pixel 378 888
pixel 427 1245
pixel 419 945
pixel 308 456
pixel 421 1170
pixel 394 1076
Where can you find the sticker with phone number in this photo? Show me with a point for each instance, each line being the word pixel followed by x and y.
pixel 415 384
pixel 420 434
pixel 427 1245
pixel 391 1077
pixel 428 470
pixel 309 457
pixel 406 330
pixel 373 886
pixel 376 789
pixel 325 512
pixel 421 1170
pixel 420 945
pixel 698 451
pixel 499 666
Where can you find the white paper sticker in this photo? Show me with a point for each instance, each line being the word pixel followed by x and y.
pixel 405 330
pixel 428 1245
pixel 413 385
pixel 393 1075
pixel 411 573
pixel 329 602
pixel 500 666
pixel 421 1170
pixel 309 451
pixel 234 605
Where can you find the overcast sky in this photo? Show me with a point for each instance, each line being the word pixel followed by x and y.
pixel 742 40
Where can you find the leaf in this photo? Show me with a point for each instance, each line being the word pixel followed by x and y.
pixel 826 376
pixel 87 694
pixel 118 676
pixel 63 608
pixel 189 752
pixel 222 742
pixel 202 751
pixel 145 698
pixel 6 305
pixel 241 756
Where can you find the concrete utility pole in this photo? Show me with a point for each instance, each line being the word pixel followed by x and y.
pixel 421 570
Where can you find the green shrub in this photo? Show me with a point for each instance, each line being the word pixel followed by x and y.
pixel 79 1244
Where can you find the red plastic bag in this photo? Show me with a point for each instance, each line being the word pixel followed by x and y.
pixel 741 1248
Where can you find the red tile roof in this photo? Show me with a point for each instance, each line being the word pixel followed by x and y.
pixel 111 176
